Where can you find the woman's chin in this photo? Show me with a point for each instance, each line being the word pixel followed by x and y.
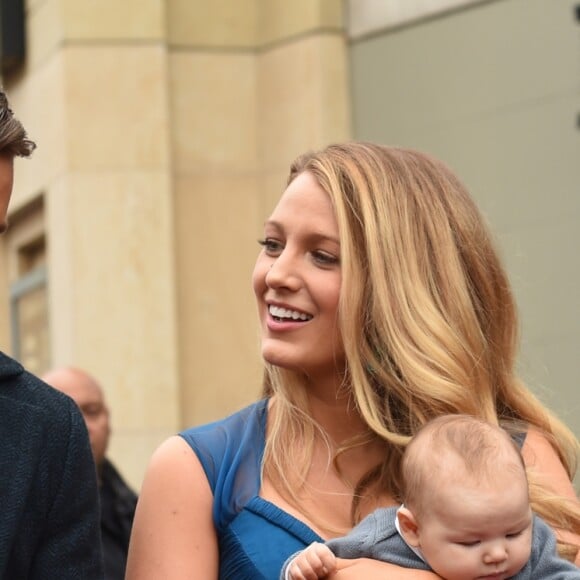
pixel 276 361
pixel 275 357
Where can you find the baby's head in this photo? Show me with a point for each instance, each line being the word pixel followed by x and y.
pixel 466 499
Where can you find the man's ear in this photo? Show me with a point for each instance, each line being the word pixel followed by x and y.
pixel 409 527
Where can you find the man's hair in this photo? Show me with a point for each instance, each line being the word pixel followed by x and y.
pixel 13 138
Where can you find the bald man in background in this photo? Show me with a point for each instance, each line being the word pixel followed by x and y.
pixel 118 500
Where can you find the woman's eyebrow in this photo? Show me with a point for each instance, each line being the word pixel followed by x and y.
pixel 320 237
pixel 312 236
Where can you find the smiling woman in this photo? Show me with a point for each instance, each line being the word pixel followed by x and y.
pixel 382 305
pixel 297 282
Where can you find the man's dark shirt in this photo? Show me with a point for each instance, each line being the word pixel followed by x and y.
pixel 118 502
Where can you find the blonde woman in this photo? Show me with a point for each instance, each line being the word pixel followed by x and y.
pixel 382 304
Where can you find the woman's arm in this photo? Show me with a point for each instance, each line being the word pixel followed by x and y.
pixel 543 459
pixel 375 570
pixel 173 534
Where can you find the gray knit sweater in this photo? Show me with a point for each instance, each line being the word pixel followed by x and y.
pixel 376 537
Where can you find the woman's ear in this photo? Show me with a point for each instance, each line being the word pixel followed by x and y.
pixel 408 526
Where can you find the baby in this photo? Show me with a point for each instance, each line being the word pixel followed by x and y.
pixel 466 514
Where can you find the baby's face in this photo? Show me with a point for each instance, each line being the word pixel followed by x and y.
pixel 478 533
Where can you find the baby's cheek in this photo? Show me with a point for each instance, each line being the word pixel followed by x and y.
pixel 453 561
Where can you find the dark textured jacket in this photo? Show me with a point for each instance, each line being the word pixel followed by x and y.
pixel 118 503
pixel 49 507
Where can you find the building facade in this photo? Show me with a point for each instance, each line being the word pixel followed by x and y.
pixel 165 130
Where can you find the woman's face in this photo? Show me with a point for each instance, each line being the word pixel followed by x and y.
pixel 297 281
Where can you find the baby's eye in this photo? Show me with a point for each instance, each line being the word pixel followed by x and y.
pixel 514 534
pixel 469 544
pixel 271 246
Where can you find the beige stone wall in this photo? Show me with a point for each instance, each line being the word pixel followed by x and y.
pixel 95 98
pixel 250 85
pixel 366 17
pixel 165 130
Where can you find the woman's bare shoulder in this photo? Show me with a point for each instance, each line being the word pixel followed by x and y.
pixel 173 534
pixel 540 456
pixel 173 449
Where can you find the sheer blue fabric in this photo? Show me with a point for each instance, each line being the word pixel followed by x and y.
pixel 255 536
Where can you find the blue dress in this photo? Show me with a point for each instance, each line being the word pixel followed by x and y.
pixel 255 537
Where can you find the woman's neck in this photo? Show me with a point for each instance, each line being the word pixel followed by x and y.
pixel 338 418
pixel 333 408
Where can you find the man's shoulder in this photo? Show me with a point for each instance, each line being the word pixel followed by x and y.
pixel 9 367
pixel 22 389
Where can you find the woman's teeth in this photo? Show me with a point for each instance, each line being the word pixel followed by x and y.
pixel 285 314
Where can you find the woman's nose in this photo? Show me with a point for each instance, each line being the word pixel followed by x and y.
pixel 283 272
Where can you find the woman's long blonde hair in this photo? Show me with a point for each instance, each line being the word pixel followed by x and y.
pixel 426 313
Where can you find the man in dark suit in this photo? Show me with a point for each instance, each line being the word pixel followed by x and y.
pixel 49 510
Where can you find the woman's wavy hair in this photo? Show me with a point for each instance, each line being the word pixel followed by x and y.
pixel 426 313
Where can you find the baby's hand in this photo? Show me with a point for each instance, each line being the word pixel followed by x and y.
pixel 316 561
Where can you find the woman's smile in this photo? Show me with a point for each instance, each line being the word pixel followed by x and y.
pixel 297 280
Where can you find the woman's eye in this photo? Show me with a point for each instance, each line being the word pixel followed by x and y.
pixel 270 246
pixel 324 258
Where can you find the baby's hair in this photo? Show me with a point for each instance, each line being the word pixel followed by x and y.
pixel 478 447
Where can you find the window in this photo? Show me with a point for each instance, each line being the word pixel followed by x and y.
pixel 27 271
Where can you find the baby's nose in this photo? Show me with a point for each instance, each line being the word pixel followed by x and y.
pixel 495 552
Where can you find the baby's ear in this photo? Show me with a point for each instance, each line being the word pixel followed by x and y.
pixel 408 526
